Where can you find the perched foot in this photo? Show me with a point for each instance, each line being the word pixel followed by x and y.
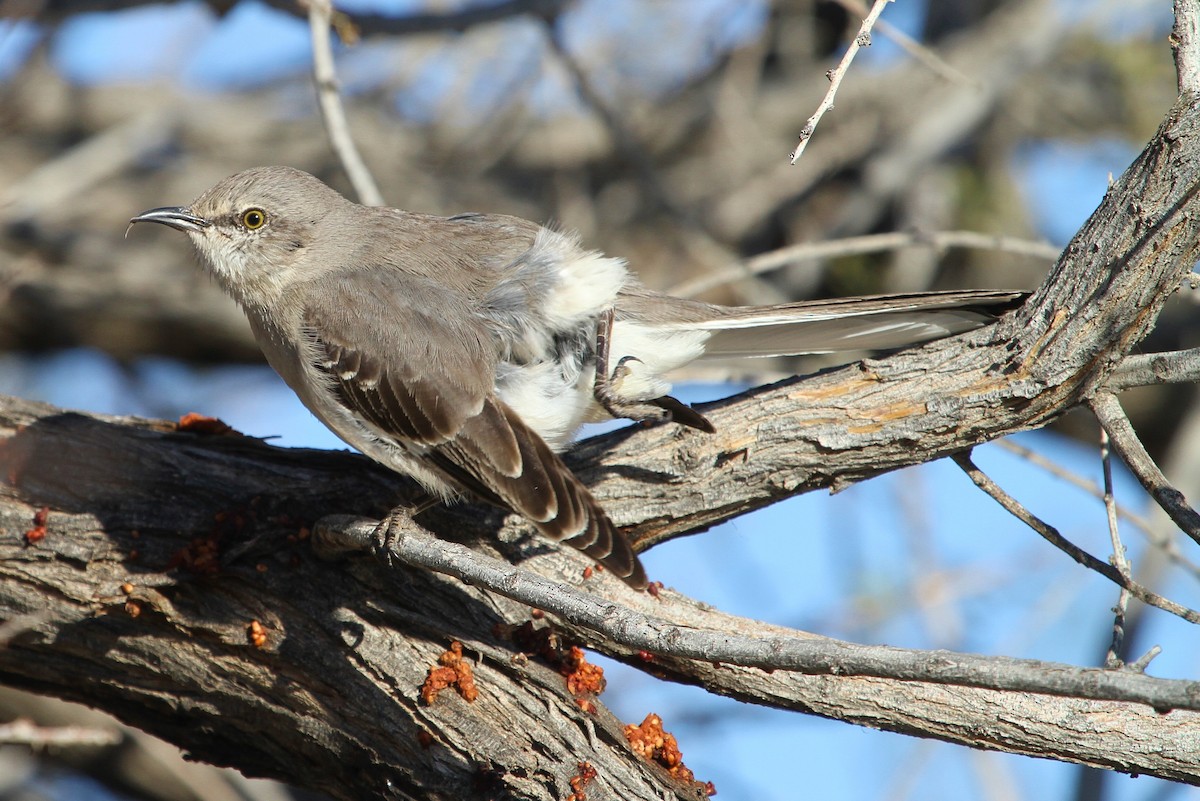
pixel 607 388
pixel 607 394
pixel 384 537
pixel 335 536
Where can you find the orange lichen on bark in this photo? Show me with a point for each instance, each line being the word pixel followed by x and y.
pixel 580 781
pixel 583 678
pixel 651 742
pixel 452 671
pixel 203 424
pixel 256 633
pixel 202 556
pixel 38 532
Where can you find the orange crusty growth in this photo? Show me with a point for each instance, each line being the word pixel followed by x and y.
pixel 453 671
pixel 580 780
pixel 202 424
pixel 651 742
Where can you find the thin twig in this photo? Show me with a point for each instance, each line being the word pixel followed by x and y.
pixel 1108 410
pixel 807 654
pixel 863 39
pixel 857 245
pixel 1142 662
pixel 1119 559
pixel 1051 535
pixel 320 15
pixel 919 52
pixel 1158 539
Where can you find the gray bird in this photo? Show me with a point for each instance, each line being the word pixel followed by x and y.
pixel 464 351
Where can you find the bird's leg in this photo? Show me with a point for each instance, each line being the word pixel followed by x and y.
pixel 652 411
pixel 604 388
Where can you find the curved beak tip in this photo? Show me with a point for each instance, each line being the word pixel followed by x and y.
pixel 177 217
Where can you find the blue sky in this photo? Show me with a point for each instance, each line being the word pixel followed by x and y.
pixel 918 558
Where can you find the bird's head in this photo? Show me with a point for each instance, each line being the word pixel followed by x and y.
pixel 255 228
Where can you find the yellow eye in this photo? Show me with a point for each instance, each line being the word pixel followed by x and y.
pixel 254 219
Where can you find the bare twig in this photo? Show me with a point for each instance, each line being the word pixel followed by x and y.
pixel 805 654
pixel 863 39
pixel 1119 559
pixel 857 245
pixel 1142 662
pixel 1157 538
pixel 320 14
pixel 1108 410
pixel 1148 369
pixel 1051 535
pixel 919 52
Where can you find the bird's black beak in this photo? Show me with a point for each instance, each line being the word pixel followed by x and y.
pixel 176 217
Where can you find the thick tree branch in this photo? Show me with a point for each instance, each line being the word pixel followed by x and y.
pixel 147 600
pixel 336 681
pixel 849 424
pixel 634 630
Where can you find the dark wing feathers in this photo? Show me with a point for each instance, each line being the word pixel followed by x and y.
pixel 433 388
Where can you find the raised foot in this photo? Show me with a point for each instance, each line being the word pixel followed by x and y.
pixel 606 393
pixel 606 388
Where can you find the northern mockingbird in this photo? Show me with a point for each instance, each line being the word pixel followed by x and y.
pixel 464 351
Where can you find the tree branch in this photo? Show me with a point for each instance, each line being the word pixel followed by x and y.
pixel 1108 410
pixel 802 653
pixel 861 39
pixel 336 680
pixel 320 14
pixel 1051 535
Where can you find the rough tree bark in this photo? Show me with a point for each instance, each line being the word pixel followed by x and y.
pixel 160 548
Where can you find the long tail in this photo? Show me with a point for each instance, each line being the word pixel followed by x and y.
pixel 879 322
pixel 869 323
